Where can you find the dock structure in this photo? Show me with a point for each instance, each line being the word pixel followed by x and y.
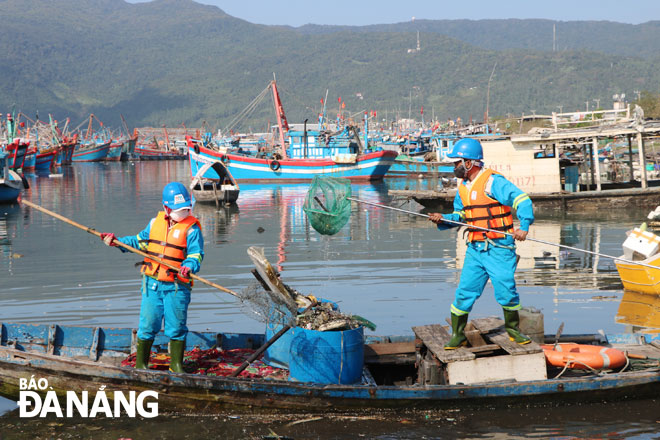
pixel 548 164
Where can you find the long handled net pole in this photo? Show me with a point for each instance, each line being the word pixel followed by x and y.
pixel 419 214
pixel 125 246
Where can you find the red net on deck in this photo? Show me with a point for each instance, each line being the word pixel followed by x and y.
pixel 215 362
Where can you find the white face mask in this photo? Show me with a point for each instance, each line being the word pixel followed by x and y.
pixel 180 215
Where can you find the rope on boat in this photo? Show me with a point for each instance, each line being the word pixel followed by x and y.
pixel 249 109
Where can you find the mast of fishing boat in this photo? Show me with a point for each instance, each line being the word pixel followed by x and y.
pixel 366 130
pixel 322 119
pixel 281 117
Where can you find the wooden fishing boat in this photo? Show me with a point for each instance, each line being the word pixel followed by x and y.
pixel 115 151
pixel 17 150
pixel 44 159
pixel 91 152
pixel 79 359
pixel 68 146
pixel 30 161
pixel 300 156
pixel 213 183
pixel 11 183
pixel 149 152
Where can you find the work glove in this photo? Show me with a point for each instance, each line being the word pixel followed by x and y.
pixel 108 238
pixel 184 272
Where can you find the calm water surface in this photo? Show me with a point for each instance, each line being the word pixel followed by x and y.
pixel 396 270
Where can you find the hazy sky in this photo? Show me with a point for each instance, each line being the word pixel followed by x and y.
pixel 356 12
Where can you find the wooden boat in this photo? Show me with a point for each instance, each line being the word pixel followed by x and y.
pixel 300 156
pixel 149 152
pixel 115 151
pixel 17 150
pixel 84 358
pixel 91 152
pixel 44 159
pixel 68 146
pixel 11 183
pixel 213 183
pixel 30 161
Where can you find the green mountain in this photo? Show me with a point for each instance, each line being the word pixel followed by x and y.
pixel 177 61
pixel 642 40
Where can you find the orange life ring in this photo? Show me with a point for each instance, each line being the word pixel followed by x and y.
pixel 579 356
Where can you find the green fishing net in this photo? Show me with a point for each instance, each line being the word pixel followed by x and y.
pixel 326 205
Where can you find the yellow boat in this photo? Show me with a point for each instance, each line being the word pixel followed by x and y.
pixel 642 247
pixel 640 278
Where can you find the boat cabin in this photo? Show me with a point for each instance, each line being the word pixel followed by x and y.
pixel 314 144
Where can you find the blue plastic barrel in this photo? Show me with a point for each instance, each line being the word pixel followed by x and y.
pixel 332 357
pixel 277 355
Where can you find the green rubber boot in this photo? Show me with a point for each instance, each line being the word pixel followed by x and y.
pixel 511 322
pixel 458 339
pixel 143 353
pixel 176 355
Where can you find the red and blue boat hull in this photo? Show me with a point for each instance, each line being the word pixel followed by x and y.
pixel 114 153
pixel 45 161
pixel 91 154
pixel 370 166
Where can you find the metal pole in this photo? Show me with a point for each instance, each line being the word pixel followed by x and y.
pixel 419 214
pixel 642 160
pixel 594 148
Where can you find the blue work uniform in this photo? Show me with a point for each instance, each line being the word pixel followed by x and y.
pixel 163 298
pixel 491 258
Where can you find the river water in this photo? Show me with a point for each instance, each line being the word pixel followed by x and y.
pixel 396 270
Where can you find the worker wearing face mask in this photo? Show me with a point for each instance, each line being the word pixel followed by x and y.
pixel 485 199
pixel 175 237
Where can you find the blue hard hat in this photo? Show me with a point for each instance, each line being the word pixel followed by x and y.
pixel 176 196
pixel 467 148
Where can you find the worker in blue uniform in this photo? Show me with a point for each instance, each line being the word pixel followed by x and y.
pixel 485 199
pixel 175 237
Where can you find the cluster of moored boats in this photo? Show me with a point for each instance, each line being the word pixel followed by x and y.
pixel 40 147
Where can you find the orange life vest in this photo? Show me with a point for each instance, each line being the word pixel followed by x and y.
pixel 483 211
pixel 169 245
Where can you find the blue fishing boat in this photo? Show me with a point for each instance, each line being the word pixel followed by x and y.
pixel 17 150
pixel 300 156
pixel 115 151
pixel 425 157
pixel 44 159
pixel 11 183
pixel 72 358
pixel 30 161
pixel 91 152
pixel 244 168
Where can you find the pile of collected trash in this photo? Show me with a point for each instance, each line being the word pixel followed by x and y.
pixel 325 316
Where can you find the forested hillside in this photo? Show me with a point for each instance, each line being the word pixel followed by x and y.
pixel 177 61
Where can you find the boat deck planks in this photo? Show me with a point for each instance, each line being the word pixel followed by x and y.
pixel 502 339
pixel 390 353
pixel 487 325
pixel 435 337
